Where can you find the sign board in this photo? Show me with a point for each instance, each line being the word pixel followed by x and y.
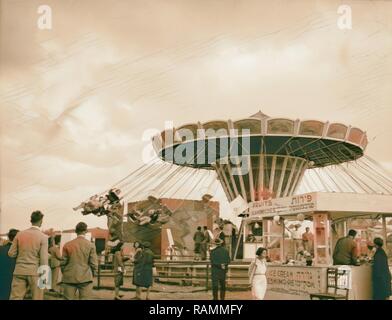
pixel 238 205
pixel 296 281
pixel 288 205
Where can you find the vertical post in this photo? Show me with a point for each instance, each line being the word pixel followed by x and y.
pixel 251 183
pixel 384 230
pixel 266 231
pixel 316 240
pixel 207 271
pixel 272 175
pixel 329 240
pixel 282 246
pixel 239 239
pixel 99 273
pixel 168 271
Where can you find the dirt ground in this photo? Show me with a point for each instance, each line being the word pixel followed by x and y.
pixel 164 292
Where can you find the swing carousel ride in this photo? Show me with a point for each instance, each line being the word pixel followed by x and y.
pixel 256 158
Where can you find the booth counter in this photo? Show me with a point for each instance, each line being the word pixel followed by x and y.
pixel 298 282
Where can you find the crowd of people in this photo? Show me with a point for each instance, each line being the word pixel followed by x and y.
pixel 143 261
pixel 202 241
pixel 203 238
pixel 31 262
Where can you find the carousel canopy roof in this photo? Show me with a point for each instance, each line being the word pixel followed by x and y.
pixel 321 143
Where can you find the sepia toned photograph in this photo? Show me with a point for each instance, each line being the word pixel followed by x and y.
pixel 195 150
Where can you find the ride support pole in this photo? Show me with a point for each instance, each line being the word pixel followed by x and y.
pixel 99 274
pixel 207 273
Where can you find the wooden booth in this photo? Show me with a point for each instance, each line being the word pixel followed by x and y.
pixel 299 268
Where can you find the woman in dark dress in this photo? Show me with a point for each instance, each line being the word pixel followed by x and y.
pixel 142 271
pixel 7 266
pixel 381 276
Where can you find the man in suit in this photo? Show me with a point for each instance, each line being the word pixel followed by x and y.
pixel 198 238
pixel 54 262
pixel 30 248
pixel 345 252
pixel 79 265
pixel 205 243
pixel 7 266
pixel 220 260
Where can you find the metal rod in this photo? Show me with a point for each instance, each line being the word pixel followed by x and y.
pixel 282 174
pixel 239 238
pixel 301 167
pixel 232 180
pixel 251 184
pixel 272 175
pixel 286 189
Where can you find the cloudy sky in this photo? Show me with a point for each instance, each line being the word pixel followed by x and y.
pixel 77 99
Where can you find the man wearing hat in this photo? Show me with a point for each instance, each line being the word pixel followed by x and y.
pixel 142 272
pixel 220 260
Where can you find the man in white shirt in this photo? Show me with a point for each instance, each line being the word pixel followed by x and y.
pixel 297 239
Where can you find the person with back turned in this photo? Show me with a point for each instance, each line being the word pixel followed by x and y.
pixel 345 252
pixel 30 248
pixel 220 260
pixel 7 266
pixel 55 262
pixel 79 265
pixel 205 243
pixel 143 270
pixel 198 238
pixel 381 276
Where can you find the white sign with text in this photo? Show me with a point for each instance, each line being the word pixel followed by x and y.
pixel 294 204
